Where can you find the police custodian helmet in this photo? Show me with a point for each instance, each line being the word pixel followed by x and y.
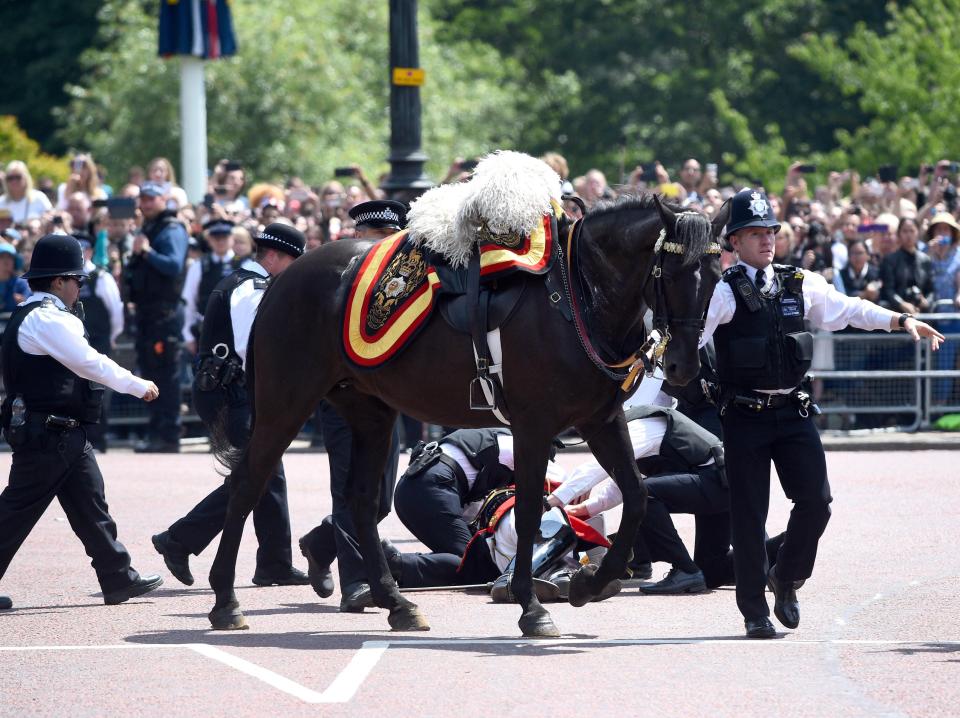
pixel 750 208
pixel 56 255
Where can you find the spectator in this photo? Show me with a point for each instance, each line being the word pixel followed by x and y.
pixel 13 288
pixel 161 171
pixel 79 208
pixel 691 178
pixel 859 278
pixel 784 244
pixel 907 274
pixel 83 178
pixel 242 242
pixel 21 199
pixel 595 188
pixel 153 276
pixel 942 238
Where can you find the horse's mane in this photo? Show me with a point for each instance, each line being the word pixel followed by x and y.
pixel 693 229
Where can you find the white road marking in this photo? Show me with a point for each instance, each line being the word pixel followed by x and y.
pixel 348 681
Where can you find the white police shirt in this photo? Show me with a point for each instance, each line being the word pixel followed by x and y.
pixel 244 303
pixel 646 435
pixel 53 331
pixel 191 286
pixel 824 307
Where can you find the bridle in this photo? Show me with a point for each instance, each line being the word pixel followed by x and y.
pixel 650 354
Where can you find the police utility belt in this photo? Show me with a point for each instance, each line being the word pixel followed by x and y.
pixel 761 401
pixel 426 455
pixel 221 368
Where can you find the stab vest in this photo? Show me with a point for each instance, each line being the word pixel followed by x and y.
pixel 211 273
pixel 766 345
pixel 149 287
pixel 685 447
pixel 46 385
pixel 96 317
pixel 217 324
pixel 482 450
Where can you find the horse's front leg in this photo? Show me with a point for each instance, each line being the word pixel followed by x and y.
pixel 611 446
pixel 368 456
pixel 531 454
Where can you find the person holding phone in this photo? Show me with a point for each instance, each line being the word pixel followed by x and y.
pixel 907 274
pixel 83 178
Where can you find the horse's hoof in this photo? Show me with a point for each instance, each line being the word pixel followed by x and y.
pixel 580 593
pixel 228 618
pixel 538 626
pixel 407 619
pixel 610 590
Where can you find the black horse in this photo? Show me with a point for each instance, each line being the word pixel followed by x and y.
pixel 624 265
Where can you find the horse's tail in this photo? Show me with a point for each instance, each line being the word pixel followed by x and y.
pixel 224 451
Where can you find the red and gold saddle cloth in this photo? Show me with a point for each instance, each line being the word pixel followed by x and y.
pixel 393 290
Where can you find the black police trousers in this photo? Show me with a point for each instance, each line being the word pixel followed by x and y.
pixel 61 464
pixel 229 409
pixel 158 345
pixel 335 536
pixel 431 507
pixel 703 495
pixel 751 439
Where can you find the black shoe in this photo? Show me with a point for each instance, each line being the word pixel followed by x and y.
pixel 394 559
pixel 175 556
pixel 760 628
pixel 5 603
pixel 285 577
pixel 675 582
pixel 321 579
pixel 157 447
pixel 786 607
pixel 642 571
pixel 144 584
pixel 356 598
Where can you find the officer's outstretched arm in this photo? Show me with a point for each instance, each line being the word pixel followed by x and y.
pixel 917 329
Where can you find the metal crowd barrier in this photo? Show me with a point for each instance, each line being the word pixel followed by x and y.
pixel 868 377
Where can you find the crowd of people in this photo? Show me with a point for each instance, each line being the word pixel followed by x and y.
pixel 891 239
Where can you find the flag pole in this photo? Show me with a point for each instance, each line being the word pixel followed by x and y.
pixel 193 128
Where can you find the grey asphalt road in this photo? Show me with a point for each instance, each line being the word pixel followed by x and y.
pixel 878 635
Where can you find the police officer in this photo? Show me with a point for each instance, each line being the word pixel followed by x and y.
pixel 103 319
pixel 154 275
pixel 221 400
pixel 334 537
pixel 758 317
pixel 51 374
pixel 203 275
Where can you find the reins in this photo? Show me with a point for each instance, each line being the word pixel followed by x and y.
pixel 651 352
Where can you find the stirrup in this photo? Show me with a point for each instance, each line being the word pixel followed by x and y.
pixel 481 394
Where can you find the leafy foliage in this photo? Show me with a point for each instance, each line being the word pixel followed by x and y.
pixel 41 44
pixel 16 145
pixel 906 79
pixel 307 91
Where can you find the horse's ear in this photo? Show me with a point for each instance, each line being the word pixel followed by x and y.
pixel 721 219
pixel 666 214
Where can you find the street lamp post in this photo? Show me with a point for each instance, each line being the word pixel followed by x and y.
pixel 407 178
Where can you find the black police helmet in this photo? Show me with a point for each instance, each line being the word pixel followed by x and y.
pixel 283 238
pixel 56 255
pixel 380 214
pixel 750 208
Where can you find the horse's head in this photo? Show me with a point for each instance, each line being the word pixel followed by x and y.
pixel 685 271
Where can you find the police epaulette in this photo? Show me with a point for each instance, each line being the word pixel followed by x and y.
pixel 261 283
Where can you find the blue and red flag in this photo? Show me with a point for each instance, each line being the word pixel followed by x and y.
pixel 202 28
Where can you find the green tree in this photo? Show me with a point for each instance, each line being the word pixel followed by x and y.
pixel 42 42
pixel 307 91
pixel 16 145
pixel 906 78
pixel 646 70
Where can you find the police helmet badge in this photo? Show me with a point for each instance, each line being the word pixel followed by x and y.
pixel 758 205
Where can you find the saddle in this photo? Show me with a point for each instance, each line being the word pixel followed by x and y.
pixel 394 288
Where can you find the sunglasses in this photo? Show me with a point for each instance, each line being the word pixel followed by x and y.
pixel 14 177
pixel 78 280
